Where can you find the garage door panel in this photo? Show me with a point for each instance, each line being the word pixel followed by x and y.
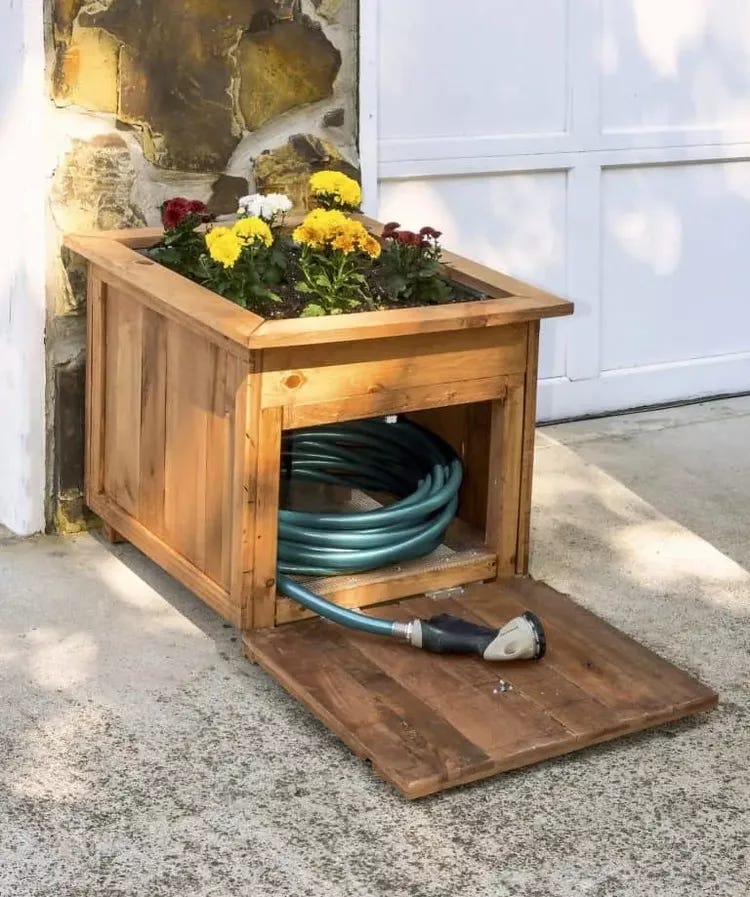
pixel 513 222
pixel 675 263
pixel 463 70
pixel 599 148
pixel 675 64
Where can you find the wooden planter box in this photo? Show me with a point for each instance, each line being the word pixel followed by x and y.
pixel 188 395
pixel 187 399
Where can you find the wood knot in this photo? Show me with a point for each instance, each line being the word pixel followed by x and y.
pixel 294 381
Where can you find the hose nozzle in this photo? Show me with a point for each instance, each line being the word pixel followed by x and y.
pixel 522 638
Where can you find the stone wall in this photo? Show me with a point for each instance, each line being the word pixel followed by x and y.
pixel 157 98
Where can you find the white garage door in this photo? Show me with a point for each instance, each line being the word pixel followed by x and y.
pixel 599 148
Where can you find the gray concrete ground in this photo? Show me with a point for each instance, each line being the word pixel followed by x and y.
pixel 141 755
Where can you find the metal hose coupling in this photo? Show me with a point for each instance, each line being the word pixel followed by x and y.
pixel 522 638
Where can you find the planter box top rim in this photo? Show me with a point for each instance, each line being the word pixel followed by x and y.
pixel 511 301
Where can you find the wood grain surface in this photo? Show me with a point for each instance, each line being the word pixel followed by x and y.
pixel 430 722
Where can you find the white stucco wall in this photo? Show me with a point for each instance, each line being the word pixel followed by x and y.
pixel 22 261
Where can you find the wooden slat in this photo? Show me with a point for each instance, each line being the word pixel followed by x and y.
pixel 438 396
pixel 476 458
pixel 198 308
pixel 481 277
pixel 472 670
pixel 266 517
pixel 488 291
pixel 135 237
pixel 111 535
pixel 219 466
pixel 493 720
pixel 323 373
pixel 153 422
pixel 416 748
pixel 602 672
pixel 168 293
pixel 122 401
pixel 564 701
pixel 407 321
pixel 243 506
pixel 527 449
pixel 470 561
pixel 495 283
pixel 166 557
pixel 95 387
pixel 460 268
pixel 188 400
pixel 504 477
pixel 665 680
pixel 237 375
pixel 572 658
pixel 430 722
pixel 467 429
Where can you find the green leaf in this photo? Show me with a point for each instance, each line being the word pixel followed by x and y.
pixel 312 311
pixel 302 287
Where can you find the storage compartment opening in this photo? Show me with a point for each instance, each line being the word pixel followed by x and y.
pixel 460 559
pixel 463 557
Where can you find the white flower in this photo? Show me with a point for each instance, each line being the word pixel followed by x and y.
pixel 279 202
pixel 251 205
pixel 267 206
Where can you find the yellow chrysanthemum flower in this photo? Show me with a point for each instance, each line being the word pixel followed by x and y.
pixel 214 234
pixel 345 191
pixel 344 242
pixel 306 236
pixel 252 230
pixel 319 227
pixel 225 247
pixel 330 228
pixel 371 246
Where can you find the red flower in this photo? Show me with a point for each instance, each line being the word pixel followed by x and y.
pixel 408 238
pixel 390 228
pixel 197 207
pixel 430 232
pixel 175 211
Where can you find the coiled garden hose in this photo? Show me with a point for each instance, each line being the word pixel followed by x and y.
pixel 425 474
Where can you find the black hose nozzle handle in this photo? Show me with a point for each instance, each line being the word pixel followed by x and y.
pixel 522 638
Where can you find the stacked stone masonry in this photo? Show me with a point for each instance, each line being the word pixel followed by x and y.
pixel 153 99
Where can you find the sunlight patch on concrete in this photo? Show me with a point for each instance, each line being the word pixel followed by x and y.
pixel 46 768
pixel 670 551
pixel 579 506
pixel 56 662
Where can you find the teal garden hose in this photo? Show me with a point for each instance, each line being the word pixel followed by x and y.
pixel 425 474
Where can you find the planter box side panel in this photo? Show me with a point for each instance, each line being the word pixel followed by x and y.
pixel 322 383
pixel 161 440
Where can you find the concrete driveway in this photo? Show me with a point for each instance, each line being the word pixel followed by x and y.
pixel 141 755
